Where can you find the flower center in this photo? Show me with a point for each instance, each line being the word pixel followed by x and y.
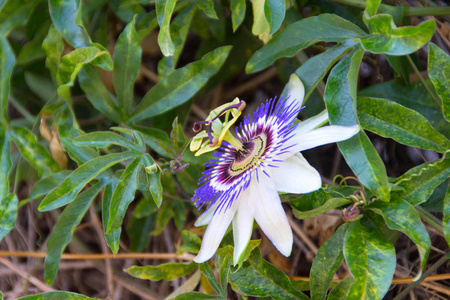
pixel 248 155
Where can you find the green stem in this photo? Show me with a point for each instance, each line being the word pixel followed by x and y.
pixel 29 117
pixel 408 11
pixel 436 265
pixel 416 70
pixel 430 219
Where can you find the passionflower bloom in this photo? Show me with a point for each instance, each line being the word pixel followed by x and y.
pixel 242 181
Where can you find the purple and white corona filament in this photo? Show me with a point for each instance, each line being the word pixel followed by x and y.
pixel 242 181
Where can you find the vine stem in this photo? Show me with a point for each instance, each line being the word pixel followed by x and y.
pixel 407 11
pixel 416 70
pixel 67 256
pixel 424 276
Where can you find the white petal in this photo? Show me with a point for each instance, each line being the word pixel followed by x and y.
pixel 214 233
pixel 243 221
pixel 270 216
pixel 205 218
pixel 296 91
pixel 318 137
pixel 313 122
pixel 295 175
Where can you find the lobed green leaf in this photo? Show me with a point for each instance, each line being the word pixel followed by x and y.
pixel 358 151
pixel 237 8
pixel 180 85
pixel 123 195
pixel 371 259
pixel 164 10
pixel 169 271
pixel 5 162
pixel 66 16
pixel 206 270
pixel 301 34
pixel 446 219
pixel 439 72
pixel 113 238
pixel 259 278
pixel 14 13
pixel 415 97
pixel 103 139
pixel 72 63
pixel 328 259
pixel 48 183
pixel 274 11
pixel 385 37
pixel 57 295
pixel 406 126
pixel 76 181
pixel 8 214
pixel 97 93
pixel 64 228
pixel 419 183
pixel 33 152
pixel 127 62
pixel 207 6
pixel 400 215
pixel 7 61
pixel 340 291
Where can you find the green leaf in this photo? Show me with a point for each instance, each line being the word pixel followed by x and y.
pixel 206 270
pixel 66 16
pixel 127 61
pixel 113 238
pixel 400 65
pixel 154 179
pixel 57 295
pixel 419 183
pixel 46 184
pixel 5 162
pixel 178 30
pixel 123 195
pixel 53 46
pixel 196 295
pixel 274 11
pixel 139 231
pixel 169 271
pixel 328 205
pixel 40 85
pixel 76 181
pixel 439 72
pixel 64 228
pixel 340 291
pixel 103 139
pixel 315 68
pixel 191 242
pixel 301 34
pixel 415 97
pixel 259 278
pixel 72 63
pixel 156 139
pixel 371 260
pixel 32 50
pixel 328 259
pixel 207 6
pixel 358 151
pixel 446 212
pixel 180 85
pixel 385 37
pixel 33 152
pixel 68 130
pixel 7 61
pixel 8 214
pixel 406 126
pixel 164 10
pixel 97 93
pixel 164 215
pixel 371 8
pixel 237 8
pixel 14 13
pixel 401 216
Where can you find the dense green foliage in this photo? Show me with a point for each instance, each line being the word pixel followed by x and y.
pixel 55 52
